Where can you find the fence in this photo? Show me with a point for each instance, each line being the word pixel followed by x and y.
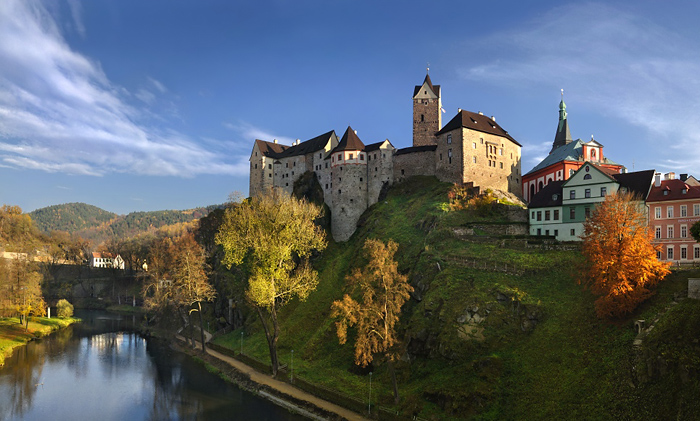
pixel 474 263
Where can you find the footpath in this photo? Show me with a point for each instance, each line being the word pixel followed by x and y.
pixel 280 386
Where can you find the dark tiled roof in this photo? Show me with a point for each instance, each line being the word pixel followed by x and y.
pixel 563 136
pixel 637 183
pixel 546 197
pixel 349 142
pixel 675 191
pixel 308 146
pixel 412 149
pixel 375 146
pixel 270 149
pixel 434 88
pixel 478 122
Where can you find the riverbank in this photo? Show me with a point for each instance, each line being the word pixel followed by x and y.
pixel 14 335
pixel 277 391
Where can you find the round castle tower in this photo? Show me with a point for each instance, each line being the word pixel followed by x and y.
pixel 349 185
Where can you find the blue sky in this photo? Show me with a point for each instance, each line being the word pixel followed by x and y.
pixel 131 105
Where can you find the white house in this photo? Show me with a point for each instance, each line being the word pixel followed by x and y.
pixel 106 260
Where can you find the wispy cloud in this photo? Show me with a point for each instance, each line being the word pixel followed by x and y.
pixel 59 112
pixel 76 11
pixel 616 61
pixel 248 131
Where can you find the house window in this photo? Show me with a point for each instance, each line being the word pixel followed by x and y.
pixel 603 191
pixel 669 253
pixel 546 215
pixel 573 232
pixel 556 233
pixel 669 232
pixel 696 252
pixel 587 212
pixel 684 231
pixel 696 209
pixel 669 212
pixel 556 214
pixel 587 193
pixel 539 215
pixel 658 254
pixel 546 232
pixel 587 177
pixel 684 210
pixel 539 231
pixel 533 214
pixel 572 194
pixel 449 138
pixel 684 253
pixel 657 232
pixel 657 212
pixel 572 213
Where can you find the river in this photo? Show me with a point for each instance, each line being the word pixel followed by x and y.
pixel 101 370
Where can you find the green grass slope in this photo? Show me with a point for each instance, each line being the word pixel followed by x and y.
pixel 496 329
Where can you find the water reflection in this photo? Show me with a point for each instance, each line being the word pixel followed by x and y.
pixel 98 370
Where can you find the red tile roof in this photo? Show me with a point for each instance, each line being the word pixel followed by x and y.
pixel 674 189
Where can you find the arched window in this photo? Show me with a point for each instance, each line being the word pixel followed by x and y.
pixel 540 186
pixel 532 190
pixel 593 155
pixel 587 177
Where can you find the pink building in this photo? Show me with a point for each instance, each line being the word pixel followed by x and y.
pixel 674 206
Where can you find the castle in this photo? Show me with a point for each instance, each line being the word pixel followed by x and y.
pixel 470 148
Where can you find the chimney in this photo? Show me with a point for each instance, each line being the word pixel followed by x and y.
pixel 493 118
pixel 274 140
pixel 459 110
pixel 657 179
pixel 684 177
pixel 671 176
pixel 480 113
pixel 297 142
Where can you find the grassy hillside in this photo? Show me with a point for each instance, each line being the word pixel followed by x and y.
pixel 496 329
pixel 96 224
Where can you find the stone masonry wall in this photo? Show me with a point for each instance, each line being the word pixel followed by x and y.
pixel 416 163
pixel 349 198
pixel 380 167
pixel 426 120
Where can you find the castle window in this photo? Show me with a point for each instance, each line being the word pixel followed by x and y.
pixel 482 140
pixel 402 172
pixel 369 158
pixel 292 172
pixel 338 191
pixel 295 163
pixel 375 156
pixel 375 169
pixel 440 157
pixel 351 200
pixel 326 186
pixel 383 155
pixel 319 155
pixel 500 152
pixel 360 179
pixel 270 175
pixel 326 164
pixel 286 165
pixel 351 156
pixel 256 166
pixel 474 159
pixel 286 184
pixel 269 166
pixel 340 179
pixel 362 157
pixel 449 160
pixel 422 117
pixel 501 165
pixel 474 145
pixel 449 138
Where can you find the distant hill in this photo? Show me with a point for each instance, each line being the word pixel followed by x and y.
pixel 70 217
pixel 97 224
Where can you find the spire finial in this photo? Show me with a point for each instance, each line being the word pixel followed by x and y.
pixel 562 94
pixel 427 67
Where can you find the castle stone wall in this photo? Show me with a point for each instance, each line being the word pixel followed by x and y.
pixel 349 197
pixel 415 163
pixel 380 171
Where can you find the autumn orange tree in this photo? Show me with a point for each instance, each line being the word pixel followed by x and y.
pixel 621 267
pixel 384 291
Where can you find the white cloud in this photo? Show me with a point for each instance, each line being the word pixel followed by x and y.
pixel 76 11
pixel 60 113
pixel 614 61
pixel 248 133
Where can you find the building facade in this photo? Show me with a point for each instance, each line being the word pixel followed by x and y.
pixel 674 206
pixel 106 260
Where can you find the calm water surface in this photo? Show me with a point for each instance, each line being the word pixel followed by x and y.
pixel 98 370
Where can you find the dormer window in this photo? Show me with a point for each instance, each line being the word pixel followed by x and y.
pixel 684 191
pixel 665 192
pixel 554 197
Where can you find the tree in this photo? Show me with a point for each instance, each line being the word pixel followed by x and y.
pixel 274 235
pixel 621 263
pixel 384 291
pixel 191 283
pixel 695 231
pixel 64 308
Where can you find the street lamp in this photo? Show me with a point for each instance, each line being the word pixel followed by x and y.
pixel 292 366
pixel 241 342
pixel 369 403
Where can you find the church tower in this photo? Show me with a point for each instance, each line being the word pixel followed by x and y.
pixel 427 118
pixel 563 136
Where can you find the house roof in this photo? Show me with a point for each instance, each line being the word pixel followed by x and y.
pixel 569 152
pixel 375 146
pixel 270 149
pixel 434 88
pixel 478 122
pixel 674 189
pixel 105 255
pixel 312 145
pixel 349 142
pixel 563 134
pixel 550 195
pixel 637 183
pixel 412 149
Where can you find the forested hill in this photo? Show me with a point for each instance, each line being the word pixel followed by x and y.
pixel 70 217
pixel 96 224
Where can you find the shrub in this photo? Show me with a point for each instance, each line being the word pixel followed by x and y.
pixel 64 308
